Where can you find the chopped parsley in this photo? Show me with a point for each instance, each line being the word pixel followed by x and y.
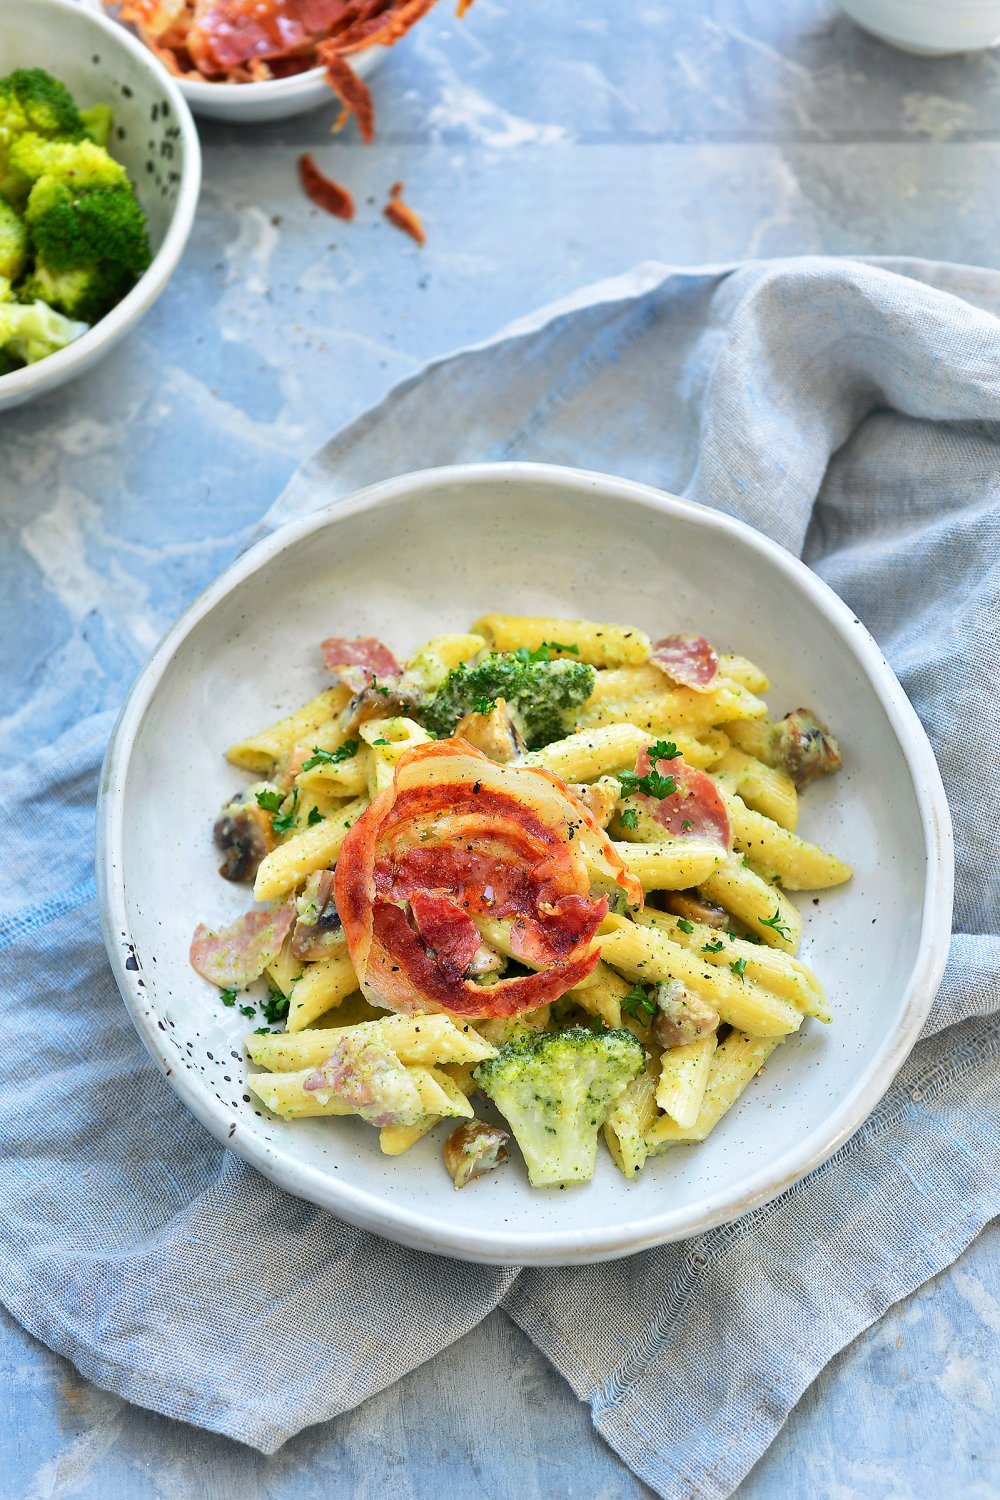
pixel 775 924
pixel 715 947
pixel 739 967
pixel 685 925
pixel 638 1005
pixel 248 1010
pixel 484 705
pixel 315 816
pixel 381 742
pixel 686 824
pixel 228 997
pixel 270 801
pixel 275 1007
pixel 284 822
pixel 379 688
pixel 663 750
pixel 544 651
pixel 630 817
pixel 651 785
pixel 745 862
pixel 262 1031
pixel 331 757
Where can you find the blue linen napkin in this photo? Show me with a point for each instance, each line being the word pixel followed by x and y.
pixel 849 409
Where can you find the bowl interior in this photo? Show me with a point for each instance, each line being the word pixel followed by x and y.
pixel 408 569
pixel 98 68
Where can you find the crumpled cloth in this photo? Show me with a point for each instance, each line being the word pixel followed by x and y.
pixel 849 409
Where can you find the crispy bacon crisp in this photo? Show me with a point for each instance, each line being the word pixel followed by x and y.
pixel 459 837
pixel 403 216
pixel 253 41
pixel 323 191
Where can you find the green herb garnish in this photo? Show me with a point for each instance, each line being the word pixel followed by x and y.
pixel 685 925
pixel 315 816
pixel 651 785
pixel 630 817
pixel 248 1010
pixel 715 947
pixel 330 757
pixel 776 924
pixel 275 1007
pixel 284 822
pixel 638 1005
pixel 228 997
pixel 738 967
pixel 270 801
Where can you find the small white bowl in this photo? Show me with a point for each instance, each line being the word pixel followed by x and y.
pixel 933 28
pixel 427 553
pixel 154 137
pixel 275 99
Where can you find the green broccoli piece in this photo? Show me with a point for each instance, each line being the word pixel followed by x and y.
pixel 75 164
pixel 85 293
pixel 31 99
pixel 97 122
pixel 13 243
pixel 556 1089
pixel 541 696
pixel 30 331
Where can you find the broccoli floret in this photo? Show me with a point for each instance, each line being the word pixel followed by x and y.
pixel 97 122
pixel 30 331
pixel 556 1089
pixel 542 696
pixel 74 164
pixel 31 99
pixel 13 243
pixel 86 293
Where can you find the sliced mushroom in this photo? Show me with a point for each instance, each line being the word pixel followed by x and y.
pixel 243 835
pixel 804 747
pixel 474 1148
pixel 318 931
pixel 494 733
pixel 695 907
pixel 380 700
pixel 682 1016
pixel 600 797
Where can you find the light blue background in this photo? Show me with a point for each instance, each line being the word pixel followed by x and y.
pixel 546 143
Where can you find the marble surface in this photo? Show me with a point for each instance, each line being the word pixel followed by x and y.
pixel 545 144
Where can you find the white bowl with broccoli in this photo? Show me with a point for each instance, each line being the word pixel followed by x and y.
pixel 99 176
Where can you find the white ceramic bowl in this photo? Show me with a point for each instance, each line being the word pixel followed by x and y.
pixel 931 27
pixel 154 137
pixel 427 553
pixel 276 99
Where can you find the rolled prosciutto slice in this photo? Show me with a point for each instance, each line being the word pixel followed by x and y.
pixel 688 660
pixel 357 662
pixel 458 836
pixel 235 956
pixel 694 809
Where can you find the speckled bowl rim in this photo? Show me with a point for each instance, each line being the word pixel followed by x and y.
pixel 33 380
pixel 498 1246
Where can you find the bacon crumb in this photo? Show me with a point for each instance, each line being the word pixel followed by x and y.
pixel 323 191
pixel 403 216
pixel 351 90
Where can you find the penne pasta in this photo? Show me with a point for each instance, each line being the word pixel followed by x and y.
pixel 261 751
pixel 601 645
pixel 314 848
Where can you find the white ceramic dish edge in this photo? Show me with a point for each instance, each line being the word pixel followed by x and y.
pixel 601 1243
pixel 22 385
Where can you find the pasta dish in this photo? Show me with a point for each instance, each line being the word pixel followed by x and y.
pixel 534 882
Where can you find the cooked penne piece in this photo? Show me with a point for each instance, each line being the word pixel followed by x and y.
pixel 260 752
pixel 285 969
pixel 680 1091
pixel 414 1039
pixel 765 909
pixel 322 986
pixel 746 673
pixel 647 955
pixel 340 778
pixel 286 1095
pixel 662 709
pixel 777 971
pixel 601 995
pixel 388 740
pixel 601 645
pixel 735 1063
pixel 631 1118
pixel 777 854
pixel 671 866
pixel 429 666
pixel 314 848
pixel 763 788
